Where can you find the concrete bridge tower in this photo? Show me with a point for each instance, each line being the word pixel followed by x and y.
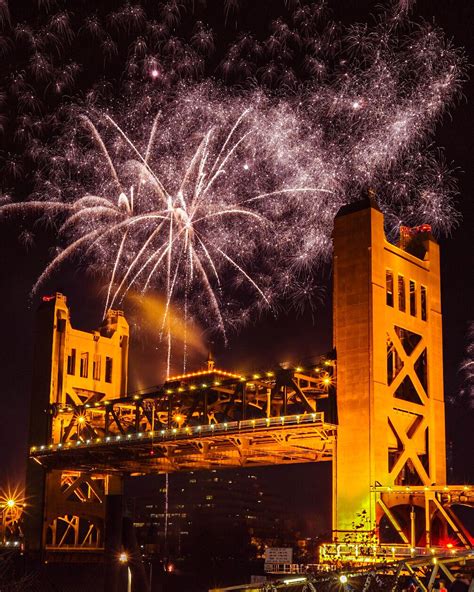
pixel 388 338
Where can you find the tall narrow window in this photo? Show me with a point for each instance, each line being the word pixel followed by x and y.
pixel 424 315
pixel 401 293
pixel 412 298
pixel 71 362
pixel 389 287
pixel 108 369
pixel 84 367
pixel 96 367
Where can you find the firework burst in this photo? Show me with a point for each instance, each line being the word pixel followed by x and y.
pixel 222 195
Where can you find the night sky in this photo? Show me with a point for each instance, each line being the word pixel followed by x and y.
pixel 269 340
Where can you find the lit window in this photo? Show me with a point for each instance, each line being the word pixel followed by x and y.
pixel 412 298
pixel 401 293
pixel 84 366
pixel 424 314
pixel 389 287
pixel 71 362
pixel 96 367
pixel 108 369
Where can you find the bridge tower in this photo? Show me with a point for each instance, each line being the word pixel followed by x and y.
pixel 73 370
pixel 388 339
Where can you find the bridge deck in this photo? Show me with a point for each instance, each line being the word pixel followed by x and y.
pixel 262 441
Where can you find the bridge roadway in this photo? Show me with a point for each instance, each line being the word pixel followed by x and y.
pixel 261 441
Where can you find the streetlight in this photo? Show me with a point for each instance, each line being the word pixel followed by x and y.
pixel 123 558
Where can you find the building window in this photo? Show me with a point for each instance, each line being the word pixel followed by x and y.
pixel 96 367
pixel 84 368
pixel 71 362
pixel 401 293
pixel 389 286
pixel 424 315
pixel 108 369
pixel 412 298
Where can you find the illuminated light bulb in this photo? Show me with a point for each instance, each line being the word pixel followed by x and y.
pixel 246 167
pixel 81 419
pixel 123 557
pixel 179 418
pixel 154 73
pixel 11 503
pixel 343 579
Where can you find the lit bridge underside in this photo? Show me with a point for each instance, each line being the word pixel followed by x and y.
pixel 201 420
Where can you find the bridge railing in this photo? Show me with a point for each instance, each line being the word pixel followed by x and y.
pixel 188 432
pixel 368 553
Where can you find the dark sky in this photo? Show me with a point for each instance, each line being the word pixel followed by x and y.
pixel 269 340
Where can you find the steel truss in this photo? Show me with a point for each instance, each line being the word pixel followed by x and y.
pixel 200 420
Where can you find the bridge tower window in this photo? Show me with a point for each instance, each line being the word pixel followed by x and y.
pixel 412 298
pixel 96 367
pixel 389 287
pixel 71 362
pixel 84 365
pixel 424 314
pixel 108 369
pixel 401 293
